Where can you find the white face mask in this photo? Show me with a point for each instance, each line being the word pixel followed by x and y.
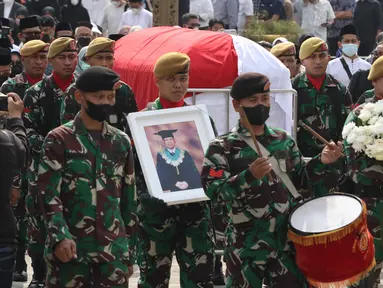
pixel 74 2
pixel 116 3
pixel 136 10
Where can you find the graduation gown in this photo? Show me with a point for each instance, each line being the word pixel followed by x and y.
pixel 179 167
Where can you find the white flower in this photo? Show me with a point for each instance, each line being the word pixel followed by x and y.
pixel 347 129
pixel 373 120
pixel 365 115
pixel 375 150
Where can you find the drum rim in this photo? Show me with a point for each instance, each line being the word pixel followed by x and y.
pixel 300 233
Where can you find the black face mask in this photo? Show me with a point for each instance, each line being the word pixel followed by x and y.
pixel 98 112
pixel 17 68
pixel 46 38
pixel 83 42
pixel 3 78
pixel 257 115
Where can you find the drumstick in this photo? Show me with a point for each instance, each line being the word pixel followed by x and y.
pixel 243 114
pixel 315 134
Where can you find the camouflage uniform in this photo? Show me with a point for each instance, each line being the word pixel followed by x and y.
pixel 42 104
pixel 125 104
pixel 185 229
pixel 325 111
pixel 19 84
pixel 366 182
pixel 256 238
pixel 88 194
pixel 366 97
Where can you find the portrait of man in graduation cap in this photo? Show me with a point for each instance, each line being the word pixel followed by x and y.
pixel 176 168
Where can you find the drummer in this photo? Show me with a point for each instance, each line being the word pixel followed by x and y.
pixel 235 175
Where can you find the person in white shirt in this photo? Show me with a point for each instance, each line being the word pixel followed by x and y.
pixel 112 16
pixel 344 67
pixel 204 9
pixel 136 15
pixel 245 13
pixel 95 9
pixel 315 15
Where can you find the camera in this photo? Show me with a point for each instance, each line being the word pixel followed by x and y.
pixel 3 102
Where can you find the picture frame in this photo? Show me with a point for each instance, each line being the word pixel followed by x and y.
pixel 167 168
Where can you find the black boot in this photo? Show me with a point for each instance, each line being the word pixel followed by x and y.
pixel 20 274
pixel 218 276
pixel 39 273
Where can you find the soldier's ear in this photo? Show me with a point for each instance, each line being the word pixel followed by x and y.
pixel 236 105
pixel 78 97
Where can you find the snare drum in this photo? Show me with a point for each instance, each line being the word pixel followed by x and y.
pixel 333 245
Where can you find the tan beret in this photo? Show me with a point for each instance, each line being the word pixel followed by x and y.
pixel 32 47
pixel 171 64
pixel 60 45
pixel 310 46
pixel 376 70
pixel 100 44
pixel 283 49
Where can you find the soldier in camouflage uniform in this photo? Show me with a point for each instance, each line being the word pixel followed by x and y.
pixel 42 104
pixel 100 52
pixel 34 58
pixel 234 175
pixel 87 186
pixel 323 103
pixel 184 229
pixel 365 174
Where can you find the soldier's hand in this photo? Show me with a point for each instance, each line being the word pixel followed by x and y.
pixel 260 168
pixel 331 153
pixel 15 105
pixel 66 250
pixel 15 195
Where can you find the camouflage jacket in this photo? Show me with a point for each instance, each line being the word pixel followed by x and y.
pixel 88 192
pixel 368 96
pixel 42 104
pixel 227 178
pixel 125 104
pixel 325 111
pixel 18 84
pixel 364 173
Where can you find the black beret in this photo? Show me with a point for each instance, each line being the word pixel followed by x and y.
pixel 5 22
pixel 115 37
pixel 5 56
pixel 5 43
pixel 47 21
pixel 85 24
pixel 348 30
pixel 29 22
pixel 63 26
pixel 249 84
pixel 97 78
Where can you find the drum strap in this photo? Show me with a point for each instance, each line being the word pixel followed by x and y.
pixel 274 163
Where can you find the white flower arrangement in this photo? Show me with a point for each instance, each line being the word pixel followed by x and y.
pixel 366 133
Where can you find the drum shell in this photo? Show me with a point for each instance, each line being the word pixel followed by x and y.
pixel 346 260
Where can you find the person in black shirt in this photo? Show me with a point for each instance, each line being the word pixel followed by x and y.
pixel 13 155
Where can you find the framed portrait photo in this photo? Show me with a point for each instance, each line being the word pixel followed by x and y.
pixel 171 146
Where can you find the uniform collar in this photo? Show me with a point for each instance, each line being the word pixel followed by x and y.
pixel 304 82
pixel 79 127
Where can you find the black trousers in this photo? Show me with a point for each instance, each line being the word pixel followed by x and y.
pixel 333 45
pixel 366 47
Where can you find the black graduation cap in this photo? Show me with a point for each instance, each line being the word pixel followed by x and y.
pixel 116 37
pixel 166 133
pixel 348 30
pixel 47 21
pixel 63 26
pixel 29 22
pixel 5 56
pixel 85 24
pixel 5 22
